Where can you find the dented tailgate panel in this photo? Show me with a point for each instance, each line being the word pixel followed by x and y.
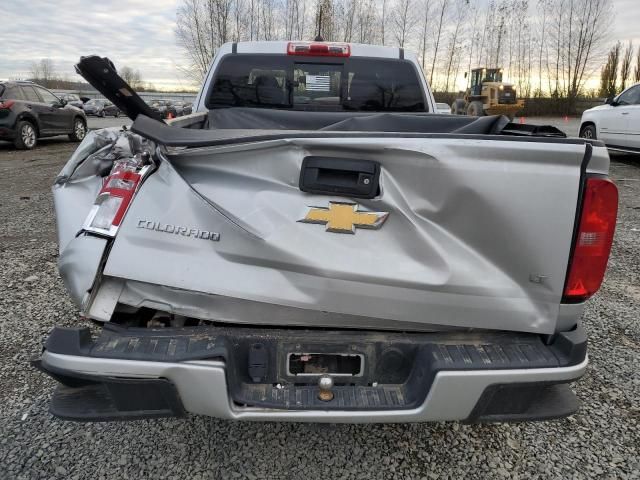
pixel 478 232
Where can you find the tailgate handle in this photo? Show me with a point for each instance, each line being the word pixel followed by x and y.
pixel 340 176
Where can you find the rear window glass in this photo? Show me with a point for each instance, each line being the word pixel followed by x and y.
pixel 352 84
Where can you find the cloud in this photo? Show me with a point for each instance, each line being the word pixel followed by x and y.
pixel 626 21
pixel 137 33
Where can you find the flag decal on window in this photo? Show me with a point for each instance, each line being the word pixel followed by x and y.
pixel 318 83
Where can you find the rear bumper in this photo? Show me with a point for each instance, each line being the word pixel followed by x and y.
pixel 201 388
pixel 100 388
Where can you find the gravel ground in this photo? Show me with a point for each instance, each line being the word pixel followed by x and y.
pixel 602 440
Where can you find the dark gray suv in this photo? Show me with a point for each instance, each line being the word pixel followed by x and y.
pixel 29 111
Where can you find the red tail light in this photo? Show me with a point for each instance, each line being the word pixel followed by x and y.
pixel 122 185
pixel 6 105
pixel 113 201
pixel 593 240
pixel 319 49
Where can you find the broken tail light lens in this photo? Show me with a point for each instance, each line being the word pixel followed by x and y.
pixel 319 49
pixel 593 240
pixel 114 199
pixel 6 105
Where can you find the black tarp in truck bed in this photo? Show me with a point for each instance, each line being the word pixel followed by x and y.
pixel 242 125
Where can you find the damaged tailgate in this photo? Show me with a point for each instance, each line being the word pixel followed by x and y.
pixel 477 235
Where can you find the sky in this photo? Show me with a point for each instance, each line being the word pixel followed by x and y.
pixel 137 33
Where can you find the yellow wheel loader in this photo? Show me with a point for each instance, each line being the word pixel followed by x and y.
pixel 488 95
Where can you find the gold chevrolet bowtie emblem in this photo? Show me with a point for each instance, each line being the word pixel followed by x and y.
pixel 344 217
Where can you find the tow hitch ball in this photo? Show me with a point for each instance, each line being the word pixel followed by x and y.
pixel 325 383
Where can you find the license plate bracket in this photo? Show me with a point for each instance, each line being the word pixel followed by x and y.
pixel 310 364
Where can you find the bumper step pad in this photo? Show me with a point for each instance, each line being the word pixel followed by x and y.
pixel 87 398
pixel 522 402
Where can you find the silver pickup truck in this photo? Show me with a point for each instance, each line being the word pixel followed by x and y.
pixel 314 244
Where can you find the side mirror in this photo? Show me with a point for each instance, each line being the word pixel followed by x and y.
pixel 608 101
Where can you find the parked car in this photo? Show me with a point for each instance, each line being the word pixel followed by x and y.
pixel 616 123
pixel 325 252
pixel 443 108
pixel 165 108
pixel 101 108
pixel 187 108
pixel 29 112
pixel 94 107
pixel 110 109
pixel 178 106
pixel 71 99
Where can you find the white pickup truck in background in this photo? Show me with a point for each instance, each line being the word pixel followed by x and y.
pixel 316 243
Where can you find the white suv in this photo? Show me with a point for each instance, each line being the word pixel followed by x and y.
pixel 617 122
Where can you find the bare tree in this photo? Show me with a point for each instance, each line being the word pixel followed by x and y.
pixel 196 36
pixel 366 22
pixel 609 73
pixel 325 19
pixel 520 47
pixel 636 72
pixel 543 8
pixel 453 55
pixel 625 66
pixel 383 20
pixel 585 26
pixel 239 19
pixel 555 42
pixel 131 76
pixel 425 22
pixel 443 7
pixel 403 21
pixel 44 72
pixel 34 71
pixel 349 18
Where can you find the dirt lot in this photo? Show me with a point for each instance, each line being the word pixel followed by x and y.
pixel 602 440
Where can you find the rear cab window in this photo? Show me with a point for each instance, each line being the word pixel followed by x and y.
pixel 325 84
